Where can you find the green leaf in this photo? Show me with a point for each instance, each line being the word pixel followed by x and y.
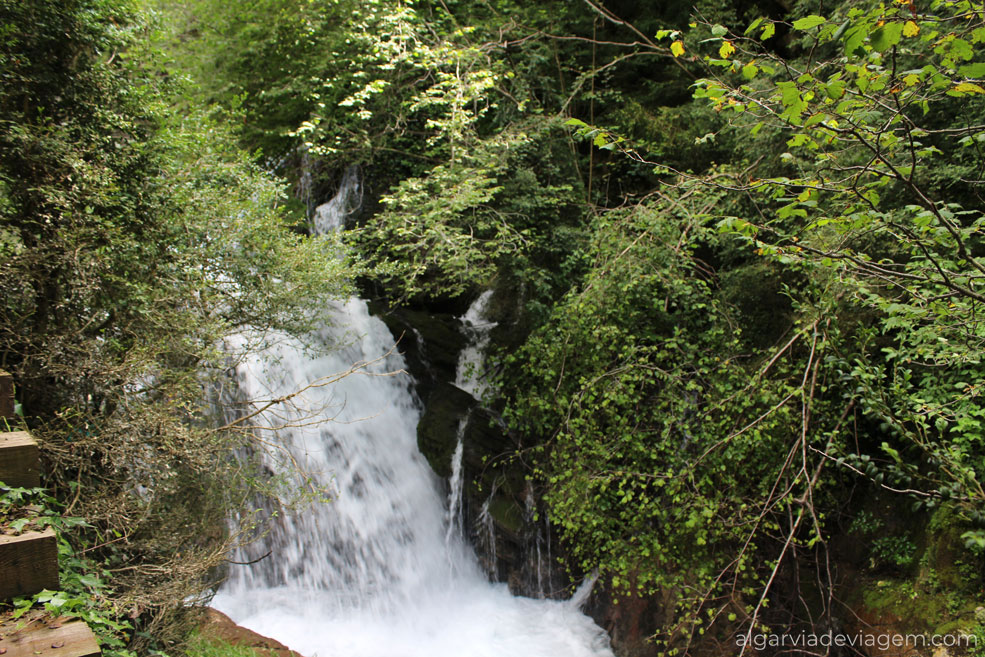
pixel 886 36
pixel 753 26
pixel 854 37
pixel 768 31
pixel 976 70
pixel 835 90
pixel 719 30
pixel 808 22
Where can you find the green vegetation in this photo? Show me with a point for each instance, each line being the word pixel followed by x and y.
pixel 200 646
pixel 85 591
pixel 134 238
pixel 743 245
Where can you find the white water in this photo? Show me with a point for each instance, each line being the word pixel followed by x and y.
pixel 456 485
pixel 469 374
pixel 331 215
pixel 375 572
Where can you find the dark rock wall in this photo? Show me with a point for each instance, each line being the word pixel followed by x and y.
pixel 502 512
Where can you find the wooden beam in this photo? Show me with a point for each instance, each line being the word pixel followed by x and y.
pixel 58 638
pixel 19 460
pixel 6 395
pixel 28 563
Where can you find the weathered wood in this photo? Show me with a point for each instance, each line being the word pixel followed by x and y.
pixel 6 395
pixel 19 460
pixel 28 563
pixel 59 638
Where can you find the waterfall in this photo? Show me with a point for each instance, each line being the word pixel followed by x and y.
pixel 456 485
pixel 530 517
pixel 372 571
pixel 469 375
pixel 487 536
pixel 331 215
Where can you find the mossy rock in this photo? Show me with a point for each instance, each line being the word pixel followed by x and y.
pixel 485 438
pixel 507 515
pixel 899 599
pixel 437 432
pixel 431 342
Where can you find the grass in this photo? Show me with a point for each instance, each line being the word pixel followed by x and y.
pixel 200 646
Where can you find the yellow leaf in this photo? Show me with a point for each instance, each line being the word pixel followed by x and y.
pixel 677 48
pixel 910 29
pixel 969 88
pixel 726 50
pixel 911 79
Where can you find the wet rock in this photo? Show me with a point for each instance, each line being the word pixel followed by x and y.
pixel 430 342
pixel 437 432
pixel 217 625
pixel 631 620
pixel 485 435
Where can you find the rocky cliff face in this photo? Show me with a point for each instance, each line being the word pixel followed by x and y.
pixel 500 508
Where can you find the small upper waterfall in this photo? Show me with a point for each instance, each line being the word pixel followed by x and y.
pixel 469 375
pixel 332 214
pixel 379 569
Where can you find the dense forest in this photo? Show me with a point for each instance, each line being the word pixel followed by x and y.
pixel 736 260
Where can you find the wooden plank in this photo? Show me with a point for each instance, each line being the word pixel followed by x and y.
pixel 59 638
pixel 6 394
pixel 19 460
pixel 28 563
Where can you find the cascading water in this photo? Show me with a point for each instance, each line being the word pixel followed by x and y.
pixel 469 377
pixel 331 215
pixel 374 572
pixel 468 374
pixel 455 486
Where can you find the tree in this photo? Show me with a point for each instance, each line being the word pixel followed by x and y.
pixel 831 183
pixel 134 239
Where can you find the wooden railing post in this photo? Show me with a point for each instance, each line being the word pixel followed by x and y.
pixel 6 395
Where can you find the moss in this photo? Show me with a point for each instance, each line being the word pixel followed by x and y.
pixel 918 608
pixel 959 626
pixel 899 598
pixel 437 432
pixel 199 646
pixel 506 514
pixel 945 561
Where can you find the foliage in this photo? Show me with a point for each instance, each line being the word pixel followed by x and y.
pixel 85 590
pixel 738 310
pixel 135 238
pixel 677 456
pixel 454 229
pixel 836 184
pixel 866 115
